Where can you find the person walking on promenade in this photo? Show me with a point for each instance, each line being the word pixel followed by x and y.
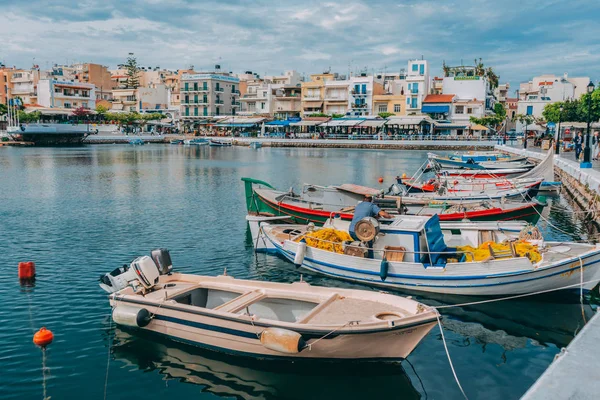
pixel 595 146
pixel 578 141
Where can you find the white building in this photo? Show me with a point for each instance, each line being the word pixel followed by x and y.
pixel 155 97
pixel 271 94
pixel 474 88
pixel 337 93
pixel 417 85
pixel 24 85
pixel 361 90
pixel 65 94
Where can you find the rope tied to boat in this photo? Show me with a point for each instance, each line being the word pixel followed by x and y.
pixel 437 315
pixel 309 345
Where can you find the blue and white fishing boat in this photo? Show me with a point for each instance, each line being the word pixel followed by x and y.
pixel 255 145
pixel 220 143
pixel 440 162
pixel 417 253
pixel 136 141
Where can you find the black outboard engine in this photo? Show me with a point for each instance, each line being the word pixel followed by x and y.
pixel 162 259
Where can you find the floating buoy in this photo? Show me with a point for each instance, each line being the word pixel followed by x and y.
pixel 380 179
pixel 27 270
pixel 43 337
pixel 404 176
pixel 282 340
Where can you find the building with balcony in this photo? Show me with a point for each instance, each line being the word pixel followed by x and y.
pixel 389 103
pixel 54 93
pixel 97 75
pixel 336 97
pixel 437 85
pixel 557 88
pixel 361 90
pixel 155 97
pixel 464 82
pixel 286 101
pixel 23 84
pixel 417 85
pixel 438 106
pixel 209 94
pixel 313 93
pixel 502 92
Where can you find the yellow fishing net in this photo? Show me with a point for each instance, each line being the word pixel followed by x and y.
pixel 327 239
pixel 522 249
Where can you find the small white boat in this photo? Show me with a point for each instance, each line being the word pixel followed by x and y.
pixel 255 145
pixel 471 163
pixel 220 143
pixel 264 319
pixel 196 142
pixel 414 253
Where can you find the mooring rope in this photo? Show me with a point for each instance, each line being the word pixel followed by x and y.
pixel 110 341
pixel 44 374
pixel 437 315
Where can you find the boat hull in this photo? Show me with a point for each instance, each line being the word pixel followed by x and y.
pixel 438 280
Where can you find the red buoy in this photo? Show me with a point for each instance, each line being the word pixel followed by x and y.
pixel 380 179
pixel 43 337
pixel 27 270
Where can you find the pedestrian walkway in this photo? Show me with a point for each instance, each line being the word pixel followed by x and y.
pixel 567 155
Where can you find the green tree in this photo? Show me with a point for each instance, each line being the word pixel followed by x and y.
pixel 499 110
pixel 101 110
pixel 3 109
pixel 25 117
pixel 132 72
pixel 334 115
pixel 571 111
pixel 584 106
pixel 489 121
pixel 385 114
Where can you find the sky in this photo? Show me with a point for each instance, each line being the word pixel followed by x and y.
pixel 519 39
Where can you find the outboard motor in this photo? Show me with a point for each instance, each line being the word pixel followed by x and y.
pixel 141 272
pixel 162 259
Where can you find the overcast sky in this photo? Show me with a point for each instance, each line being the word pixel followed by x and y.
pixel 520 39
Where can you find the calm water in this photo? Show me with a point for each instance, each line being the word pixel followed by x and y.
pixel 80 212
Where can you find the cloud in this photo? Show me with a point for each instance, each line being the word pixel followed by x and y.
pixel 519 39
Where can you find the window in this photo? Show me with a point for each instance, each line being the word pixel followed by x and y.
pixel 204 85
pixel 513 114
pixel 187 99
pixel 422 69
pixel 186 87
pixel 364 88
pixel 196 111
pixel 415 67
pixel 195 85
pixel 195 98
pixel 469 110
pixel 459 110
pixel 205 99
pixel 529 110
pixel 232 88
pixel 264 94
pixel 397 108
pixel 408 101
pixel 67 105
pixel 131 108
pixel 187 111
pixel 84 105
pixel 217 112
pixel 532 97
pixel 382 108
pixel 205 111
pixel 262 106
pixel 414 102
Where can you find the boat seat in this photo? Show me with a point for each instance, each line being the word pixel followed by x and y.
pixel 435 243
pixel 242 301
pixel 318 309
pixel 487 236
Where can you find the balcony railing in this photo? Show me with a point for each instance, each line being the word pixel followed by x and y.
pixel 235 91
pixel 359 106
pixel 336 98
pixel 219 89
pixel 312 97
pixel 360 92
pixel 235 104
pixel 219 102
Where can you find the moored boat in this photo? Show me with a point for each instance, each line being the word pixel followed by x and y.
pixel 219 143
pixel 176 141
pixel 472 164
pixel 255 145
pixel 263 319
pixel 413 253
pixel 136 141
pixel 318 203
pixel 196 142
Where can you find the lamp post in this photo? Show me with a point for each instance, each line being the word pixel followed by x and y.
pixel 587 163
pixel 525 134
pixel 557 150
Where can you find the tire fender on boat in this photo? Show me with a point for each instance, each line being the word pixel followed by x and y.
pixel 282 340
pixel 383 269
pixel 135 317
pixel 300 253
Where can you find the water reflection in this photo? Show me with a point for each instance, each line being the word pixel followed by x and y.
pixel 245 378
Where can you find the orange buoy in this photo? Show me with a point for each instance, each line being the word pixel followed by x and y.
pixel 380 179
pixel 404 176
pixel 43 337
pixel 27 270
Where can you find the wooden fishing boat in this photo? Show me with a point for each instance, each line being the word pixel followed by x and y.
pixel 176 141
pixel 317 203
pixel 471 164
pixel 413 253
pixel 268 320
pixel 196 142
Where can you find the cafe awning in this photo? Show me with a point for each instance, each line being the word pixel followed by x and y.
pixel 436 109
pixel 373 123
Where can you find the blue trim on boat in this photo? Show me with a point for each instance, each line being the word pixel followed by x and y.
pixel 199 325
pixel 289 255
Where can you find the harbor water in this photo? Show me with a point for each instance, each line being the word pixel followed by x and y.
pixel 80 212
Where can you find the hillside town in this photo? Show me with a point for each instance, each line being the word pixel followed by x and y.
pixel 450 101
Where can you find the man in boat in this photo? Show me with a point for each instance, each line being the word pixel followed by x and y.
pixel 364 209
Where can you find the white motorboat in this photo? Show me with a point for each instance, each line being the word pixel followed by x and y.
pixel 264 319
pixel 414 253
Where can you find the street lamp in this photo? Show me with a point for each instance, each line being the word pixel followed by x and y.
pixel 560 111
pixel 587 163
pixel 525 134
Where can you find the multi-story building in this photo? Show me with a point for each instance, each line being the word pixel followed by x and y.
pixel 154 97
pixel 23 84
pixel 209 94
pixel 54 93
pixel 467 85
pixel 313 93
pixel 286 101
pixel 5 83
pixel 501 93
pixel 389 103
pixel 417 82
pixel 437 85
pixel 336 97
pixel 97 75
pixel 557 88
pixel 360 95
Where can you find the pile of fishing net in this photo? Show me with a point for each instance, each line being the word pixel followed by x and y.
pixel 327 239
pixel 481 253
